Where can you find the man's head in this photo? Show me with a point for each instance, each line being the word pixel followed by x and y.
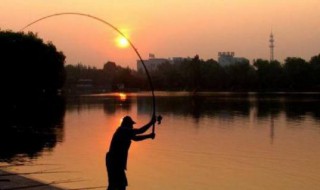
pixel 127 122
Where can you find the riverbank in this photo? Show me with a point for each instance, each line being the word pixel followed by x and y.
pixel 13 181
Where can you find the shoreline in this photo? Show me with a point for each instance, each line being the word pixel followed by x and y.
pixel 10 181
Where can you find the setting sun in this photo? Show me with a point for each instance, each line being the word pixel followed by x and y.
pixel 122 42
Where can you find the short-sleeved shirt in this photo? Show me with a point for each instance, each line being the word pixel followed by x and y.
pixel 119 147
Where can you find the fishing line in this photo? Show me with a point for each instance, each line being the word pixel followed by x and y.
pixel 119 32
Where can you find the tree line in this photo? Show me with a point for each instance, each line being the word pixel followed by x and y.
pixel 196 74
pixel 31 66
pixel 112 77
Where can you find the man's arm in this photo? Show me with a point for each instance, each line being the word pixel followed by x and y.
pixel 146 127
pixel 143 137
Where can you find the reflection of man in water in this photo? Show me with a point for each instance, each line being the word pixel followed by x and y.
pixel 116 158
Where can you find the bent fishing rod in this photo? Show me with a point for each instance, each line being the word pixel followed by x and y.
pixel 159 118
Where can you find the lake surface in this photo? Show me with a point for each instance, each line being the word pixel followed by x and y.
pixel 222 141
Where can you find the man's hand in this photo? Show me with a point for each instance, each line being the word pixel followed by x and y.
pixel 152 135
pixel 155 119
pixel 159 119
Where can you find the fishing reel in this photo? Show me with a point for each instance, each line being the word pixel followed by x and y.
pixel 159 119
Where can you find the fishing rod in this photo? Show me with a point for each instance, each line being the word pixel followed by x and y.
pixel 159 118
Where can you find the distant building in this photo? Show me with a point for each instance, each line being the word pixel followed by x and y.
pixel 84 84
pixel 228 58
pixel 178 59
pixel 152 63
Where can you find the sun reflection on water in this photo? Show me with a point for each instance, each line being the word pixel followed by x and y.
pixel 122 96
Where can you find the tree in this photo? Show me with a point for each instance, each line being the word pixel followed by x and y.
pixel 298 72
pixel 109 72
pixel 315 66
pixel 263 73
pixel 31 66
pixel 212 75
pixel 240 76
pixel 276 76
pixel 270 75
pixel 190 73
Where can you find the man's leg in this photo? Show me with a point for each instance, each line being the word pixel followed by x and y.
pixel 115 188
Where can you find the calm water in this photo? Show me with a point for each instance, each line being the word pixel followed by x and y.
pixel 220 141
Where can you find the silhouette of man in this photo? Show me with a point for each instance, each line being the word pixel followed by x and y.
pixel 116 158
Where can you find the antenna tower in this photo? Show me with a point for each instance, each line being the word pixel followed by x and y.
pixel 271 47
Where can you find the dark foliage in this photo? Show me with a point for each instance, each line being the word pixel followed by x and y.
pixel 295 74
pixel 29 66
pixel 32 72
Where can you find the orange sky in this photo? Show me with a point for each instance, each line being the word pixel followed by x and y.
pixel 171 28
